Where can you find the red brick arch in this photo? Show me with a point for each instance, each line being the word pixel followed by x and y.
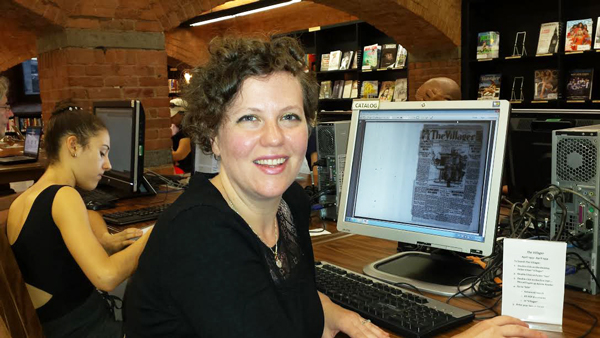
pixel 425 28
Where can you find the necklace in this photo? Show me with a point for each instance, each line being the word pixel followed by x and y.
pixel 274 251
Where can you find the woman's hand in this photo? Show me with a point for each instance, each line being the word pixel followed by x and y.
pixel 119 241
pixel 502 326
pixel 339 319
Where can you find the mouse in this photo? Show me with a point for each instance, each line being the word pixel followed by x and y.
pixel 95 205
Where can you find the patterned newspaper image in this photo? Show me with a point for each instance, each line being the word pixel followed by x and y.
pixel 448 171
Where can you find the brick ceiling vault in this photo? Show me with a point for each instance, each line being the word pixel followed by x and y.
pixel 423 26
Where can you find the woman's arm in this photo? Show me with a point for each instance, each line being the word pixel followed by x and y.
pixel 339 319
pixel 182 150
pixel 112 243
pixel 71 217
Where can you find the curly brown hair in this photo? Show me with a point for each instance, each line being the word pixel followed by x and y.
pixel 214 86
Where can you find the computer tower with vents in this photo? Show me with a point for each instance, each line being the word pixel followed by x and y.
pixel 332 141
pixel 576 166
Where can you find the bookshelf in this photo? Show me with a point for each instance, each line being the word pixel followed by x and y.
pixel 350 36
pixel 518 16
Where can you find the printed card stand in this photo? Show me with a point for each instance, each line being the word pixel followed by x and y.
pixel 533 282
pixel 517 83
pixel 519 41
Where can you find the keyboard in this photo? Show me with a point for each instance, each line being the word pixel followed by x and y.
pixel 96 196
pixel 403 312
pixel 135 215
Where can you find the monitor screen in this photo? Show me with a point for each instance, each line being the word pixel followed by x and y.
pixel 436 182
pixel 125 123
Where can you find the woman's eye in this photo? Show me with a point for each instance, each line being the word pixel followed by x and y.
pixel 247 118
pixel 102 154
pixel 291 117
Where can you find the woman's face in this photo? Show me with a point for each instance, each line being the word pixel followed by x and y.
pixel 92 161
pixel 263 138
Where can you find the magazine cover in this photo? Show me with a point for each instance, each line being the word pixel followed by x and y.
pixel 347 89
pixel 346 60
pixel 401 90
pixel 324 62
pixel 354 91
pixel 401 57
pixel 338 88
pixel 325 92
pixel 388 56
pixel 369 60
pixel 579 35
pixel 386 93
pixel 597 43
pixel 546 84
pixel 335 57
pixel 488 45
pixel 489 87
pixel 369 89
pixel 579 84
pixel 548 41
pixel 355 60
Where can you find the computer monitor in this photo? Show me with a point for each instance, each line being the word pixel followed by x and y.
pixel 427 174
pixel 125 121
pixel 528 160
pixel 206 164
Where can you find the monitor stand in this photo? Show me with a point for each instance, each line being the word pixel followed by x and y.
pixel 434 273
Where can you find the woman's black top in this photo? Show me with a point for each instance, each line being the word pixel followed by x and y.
pixel 204 273
pixel 186 164
pixel 46 263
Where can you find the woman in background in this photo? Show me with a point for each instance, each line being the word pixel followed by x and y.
pixel 65 252
pixel 182 147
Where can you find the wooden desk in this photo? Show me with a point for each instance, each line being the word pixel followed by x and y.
pixel 140 202
pixel 355 251
pixel 23 172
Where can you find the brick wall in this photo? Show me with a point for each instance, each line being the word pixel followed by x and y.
pixel 88 75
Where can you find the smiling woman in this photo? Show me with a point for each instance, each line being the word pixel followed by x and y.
pixel 244 261
pixel 65 252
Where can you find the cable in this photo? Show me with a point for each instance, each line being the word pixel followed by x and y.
pixel 586 266
pixel 589 315
pixel 409 285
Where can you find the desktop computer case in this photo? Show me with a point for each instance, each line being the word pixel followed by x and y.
pixel 332 142
pixel 575 165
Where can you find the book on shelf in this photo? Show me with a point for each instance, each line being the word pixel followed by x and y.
pixel 549 37
pixel 355 60
pixel 335 57
pixel 579 35
pixel 369 89
pixel 354 91
pixel 369 59
pixel 401 90
pixel 311 62
pixel 325 92
pixel 346 94
pixel 488 45
pixel 388 56
pixel 324 62
pixel 346 60
pixel 386 93
pixel 597 42
pixel 579 84
pixel 489 87
pixel 545 85
pixel 173 86
pixel 338 87
pixel 401 54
